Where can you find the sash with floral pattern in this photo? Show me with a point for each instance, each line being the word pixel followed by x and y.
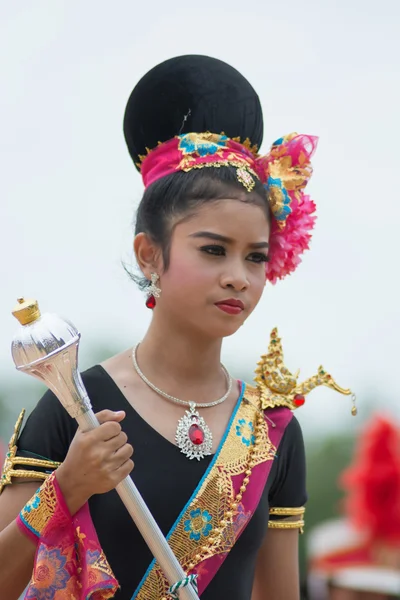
pixel 226 498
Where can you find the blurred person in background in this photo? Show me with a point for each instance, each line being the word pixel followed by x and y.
pixel 357 557
pixel 225 479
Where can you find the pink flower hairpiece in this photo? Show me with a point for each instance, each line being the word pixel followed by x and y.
pixel 284 171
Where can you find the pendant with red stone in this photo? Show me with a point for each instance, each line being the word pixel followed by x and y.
pixel 193 435
pixel 196 434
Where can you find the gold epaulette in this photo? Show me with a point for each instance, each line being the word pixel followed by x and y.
pixel 278 387
pixel 286 523
pixel 12 461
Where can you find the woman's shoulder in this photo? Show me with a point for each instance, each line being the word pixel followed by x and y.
pixel 49 409
pixel 94 377
pixel 93 380
pixel 104 388
pixel 49 428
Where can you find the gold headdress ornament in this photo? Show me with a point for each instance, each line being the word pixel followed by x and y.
pixel 277 385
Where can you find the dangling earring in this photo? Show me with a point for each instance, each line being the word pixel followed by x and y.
pixel 153 291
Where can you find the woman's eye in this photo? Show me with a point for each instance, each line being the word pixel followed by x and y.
pixel 214 250
pixel 258 257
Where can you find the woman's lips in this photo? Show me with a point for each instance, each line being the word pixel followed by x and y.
pixel 231 306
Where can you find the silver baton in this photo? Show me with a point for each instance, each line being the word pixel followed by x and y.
pixel 46 347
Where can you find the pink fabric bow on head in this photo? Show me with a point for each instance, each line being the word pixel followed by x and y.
pixel 284 171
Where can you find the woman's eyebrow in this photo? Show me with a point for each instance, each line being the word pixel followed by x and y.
pixel 222 238
pixel 212 236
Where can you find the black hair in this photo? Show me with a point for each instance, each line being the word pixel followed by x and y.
pixel 181 95
pixel 179 194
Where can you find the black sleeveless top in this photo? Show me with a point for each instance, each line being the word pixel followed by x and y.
pixel 166 479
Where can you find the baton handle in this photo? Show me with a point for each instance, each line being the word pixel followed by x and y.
pixel 145 522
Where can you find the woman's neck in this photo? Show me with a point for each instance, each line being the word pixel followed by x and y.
pixel 180 363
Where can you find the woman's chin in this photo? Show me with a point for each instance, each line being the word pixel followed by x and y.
pixel 213 326
pixel 222 330
pixel 229 333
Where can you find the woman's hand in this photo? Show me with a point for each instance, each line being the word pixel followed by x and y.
pixel 97 461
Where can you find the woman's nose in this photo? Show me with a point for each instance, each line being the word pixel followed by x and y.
pixel 235 278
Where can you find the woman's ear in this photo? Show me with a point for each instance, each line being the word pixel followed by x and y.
pixel 148 255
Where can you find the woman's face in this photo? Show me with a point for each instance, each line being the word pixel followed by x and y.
pixel 216 273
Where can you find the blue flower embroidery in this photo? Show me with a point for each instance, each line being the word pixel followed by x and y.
pixel 53 576
pixel 202 144
pixel 199 524
pixel 279 198
pixel 34 503
pixel 245 430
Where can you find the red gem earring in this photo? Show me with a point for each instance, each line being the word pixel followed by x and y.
pixel 153 291
pixel 151 302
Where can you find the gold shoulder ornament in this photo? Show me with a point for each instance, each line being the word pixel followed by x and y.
pixel 277 386
pixel 12 461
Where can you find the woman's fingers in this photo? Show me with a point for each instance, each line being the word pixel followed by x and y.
pixel 124 470
pixel 107 460
pixel 105 416
pixel 115 443
pixel 121 455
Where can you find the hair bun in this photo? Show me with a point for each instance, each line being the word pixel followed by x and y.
pixel 191 93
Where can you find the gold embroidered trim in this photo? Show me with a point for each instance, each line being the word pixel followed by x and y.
pixel 186 166
pixel 12 460
pixel 215 538
pixel 40 508
pixel 284 524
pixel 287 512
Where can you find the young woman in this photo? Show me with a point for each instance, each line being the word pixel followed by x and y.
pixel 213 456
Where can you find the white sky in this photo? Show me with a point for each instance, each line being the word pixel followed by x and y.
pixel 68 187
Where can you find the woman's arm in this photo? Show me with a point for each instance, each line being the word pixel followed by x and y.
pixel 277 569
pixel 106 462
pixel 17 552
